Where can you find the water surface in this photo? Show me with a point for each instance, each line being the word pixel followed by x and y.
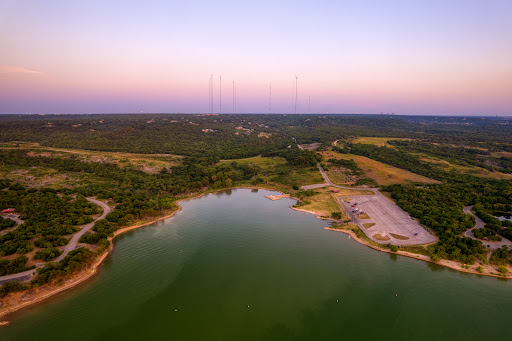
pixel 237 266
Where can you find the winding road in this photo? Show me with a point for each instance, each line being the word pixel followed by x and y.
pixel 480 224
pixel 27 275
pixel 76 237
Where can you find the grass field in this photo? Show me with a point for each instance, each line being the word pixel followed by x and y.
pixel 276 169
pixel 448 166
pixel 324 202
pixel 263 162
pixel 336 175
pixel 377 141
pixel 382 173
pixel 150 163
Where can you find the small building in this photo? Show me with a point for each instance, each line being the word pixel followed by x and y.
pixel 335 190
pixel 8 210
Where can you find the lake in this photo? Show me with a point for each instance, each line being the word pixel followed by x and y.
pixel 237 266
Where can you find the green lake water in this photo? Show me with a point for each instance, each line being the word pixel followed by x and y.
pixel 237 266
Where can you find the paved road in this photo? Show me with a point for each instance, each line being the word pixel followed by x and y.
pixel 20 276
pixel 74 240
pixel 14 217
pixel 27 275
pixel 480 224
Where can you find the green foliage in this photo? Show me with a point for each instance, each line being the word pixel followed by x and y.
pixel 51 240
pixel 336 215
pixel 6 223
pixel 73 262
pixel 12 286
pixel 15 265
pixel 501 256
pixel 47 254
pixel 393 248
pixel 297 157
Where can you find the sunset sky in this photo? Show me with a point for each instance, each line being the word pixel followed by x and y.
pixel 401 56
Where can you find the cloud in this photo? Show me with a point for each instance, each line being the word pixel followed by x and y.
pixel 5 69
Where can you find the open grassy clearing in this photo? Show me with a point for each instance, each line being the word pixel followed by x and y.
pixel 448 166
pixel 36 177
pixel 276 170
pixel 377 141
pixel 323 203
pixel 382 173
pixel 368 225
pixel 150 163
pixel 264 162
pixel 501 154
pixel 336 175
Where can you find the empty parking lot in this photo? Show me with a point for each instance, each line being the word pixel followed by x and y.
pixel 392 224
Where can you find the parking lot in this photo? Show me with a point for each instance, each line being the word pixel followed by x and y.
pixel 392 224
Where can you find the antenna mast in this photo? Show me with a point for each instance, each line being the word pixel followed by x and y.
pixel 220 94
pixel 211 94
pixel 296 80
pixel 270 99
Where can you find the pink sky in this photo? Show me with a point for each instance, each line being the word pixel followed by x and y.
pixel 409 57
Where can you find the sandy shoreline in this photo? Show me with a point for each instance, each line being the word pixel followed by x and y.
pixel 46 291
pixel 444 262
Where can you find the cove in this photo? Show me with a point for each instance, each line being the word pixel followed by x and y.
pixel 237 266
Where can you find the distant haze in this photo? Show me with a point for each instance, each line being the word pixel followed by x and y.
pixel 404 57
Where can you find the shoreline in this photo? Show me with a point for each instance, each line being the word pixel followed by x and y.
pixel 443 262
pixel 45 292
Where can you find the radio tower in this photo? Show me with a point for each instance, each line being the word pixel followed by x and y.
pixel 270 99
pixel 296 80
pixel 220 94
pixel 210 100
